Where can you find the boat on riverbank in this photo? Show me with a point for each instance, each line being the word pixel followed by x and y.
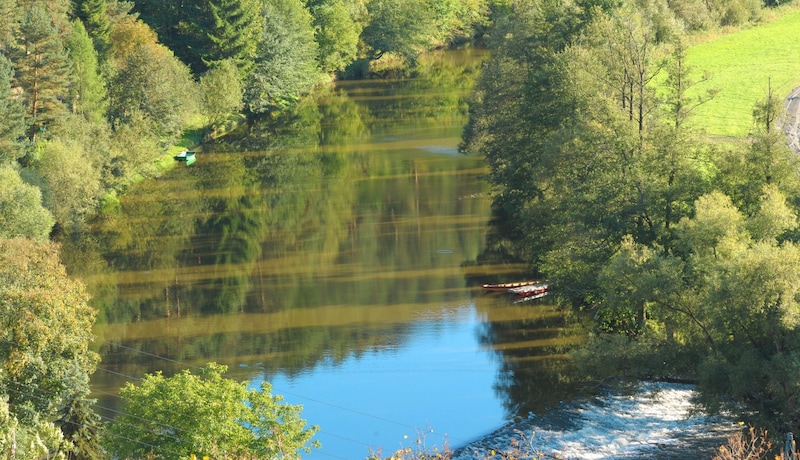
pixel 186 156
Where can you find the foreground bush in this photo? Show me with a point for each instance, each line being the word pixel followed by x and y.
pixel 206 415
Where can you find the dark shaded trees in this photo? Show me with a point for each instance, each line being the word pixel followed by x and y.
pixel 233 32
pixel 81 428
pixel 207 32
pixel 95 18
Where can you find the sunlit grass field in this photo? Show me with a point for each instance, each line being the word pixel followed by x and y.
pixel 742 67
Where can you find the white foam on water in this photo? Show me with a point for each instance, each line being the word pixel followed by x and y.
pixel 615 426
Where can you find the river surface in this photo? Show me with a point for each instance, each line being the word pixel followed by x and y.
pixel 339 257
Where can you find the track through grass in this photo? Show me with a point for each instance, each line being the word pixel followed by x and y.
pixel 743 66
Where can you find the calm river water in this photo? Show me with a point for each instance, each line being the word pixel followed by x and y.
pixel 335 256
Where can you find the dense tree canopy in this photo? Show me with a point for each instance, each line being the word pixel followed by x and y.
pixel 337 31
pixel 12 117
pixel 42 69
pixel 683 252
pixel 46 330
pixel 21 211
pixel 205 414
pixel 286 66
pixel 684 247
pixel 88 91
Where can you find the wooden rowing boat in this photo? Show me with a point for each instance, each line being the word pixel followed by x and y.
pixel 530 289
pixel 507 286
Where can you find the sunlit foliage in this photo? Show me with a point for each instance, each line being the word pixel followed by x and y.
pixel 45 330
pixel 206 414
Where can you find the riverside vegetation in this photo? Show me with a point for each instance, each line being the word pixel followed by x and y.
pixel 679 249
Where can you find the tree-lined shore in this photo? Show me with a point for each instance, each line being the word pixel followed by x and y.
pixel 677 246
pixel 679 251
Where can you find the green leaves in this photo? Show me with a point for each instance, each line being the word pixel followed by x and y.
pixel 286 64
pixel 43 70
pixel 153 81
pixel 205 414
pixel 12 117
pixel 45 330
pixel 21 211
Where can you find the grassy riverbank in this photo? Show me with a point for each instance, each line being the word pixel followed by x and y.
pixel 743 66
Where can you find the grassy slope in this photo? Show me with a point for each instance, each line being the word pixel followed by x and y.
pixel 743 66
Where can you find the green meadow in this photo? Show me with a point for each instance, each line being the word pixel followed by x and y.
pixel 743 66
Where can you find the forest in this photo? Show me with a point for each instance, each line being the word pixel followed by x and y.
pixel 682 251
pixel 679 250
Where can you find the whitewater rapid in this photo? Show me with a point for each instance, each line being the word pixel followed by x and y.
pixel 657 421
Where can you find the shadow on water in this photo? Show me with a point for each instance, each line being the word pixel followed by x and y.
pixel 336 254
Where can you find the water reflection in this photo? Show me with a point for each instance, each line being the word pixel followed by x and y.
pixel 339 243
pixel 531 338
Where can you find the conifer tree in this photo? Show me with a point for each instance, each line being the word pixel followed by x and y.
pixel 43 70
pixel 12 116
pixel 234 31
pixel 88 92
pixel 9 19
pixel 81 426
pixel 94 17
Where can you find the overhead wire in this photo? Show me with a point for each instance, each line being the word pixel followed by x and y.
pixel 282 392
pixel 29 395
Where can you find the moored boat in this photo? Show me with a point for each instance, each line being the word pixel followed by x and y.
pixel 530 289
pixel 188 156
pixel 507 286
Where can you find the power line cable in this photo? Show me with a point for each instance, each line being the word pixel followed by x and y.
pixel 359 443
pixel 282 392
pixel 190 366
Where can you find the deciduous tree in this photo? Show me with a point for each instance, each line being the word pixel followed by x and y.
pixel 70 181
pixel 403 27
pixel 152 80
pixel 221 94
pixel 26 441
pixel 337 32
pixel 45 330
pixel 205 414
pixel 21 211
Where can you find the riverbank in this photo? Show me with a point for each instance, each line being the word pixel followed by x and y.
pixel 657 422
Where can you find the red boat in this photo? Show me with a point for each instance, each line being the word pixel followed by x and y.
pixel 508 286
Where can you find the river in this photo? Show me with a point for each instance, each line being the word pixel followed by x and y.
pixel 338 256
